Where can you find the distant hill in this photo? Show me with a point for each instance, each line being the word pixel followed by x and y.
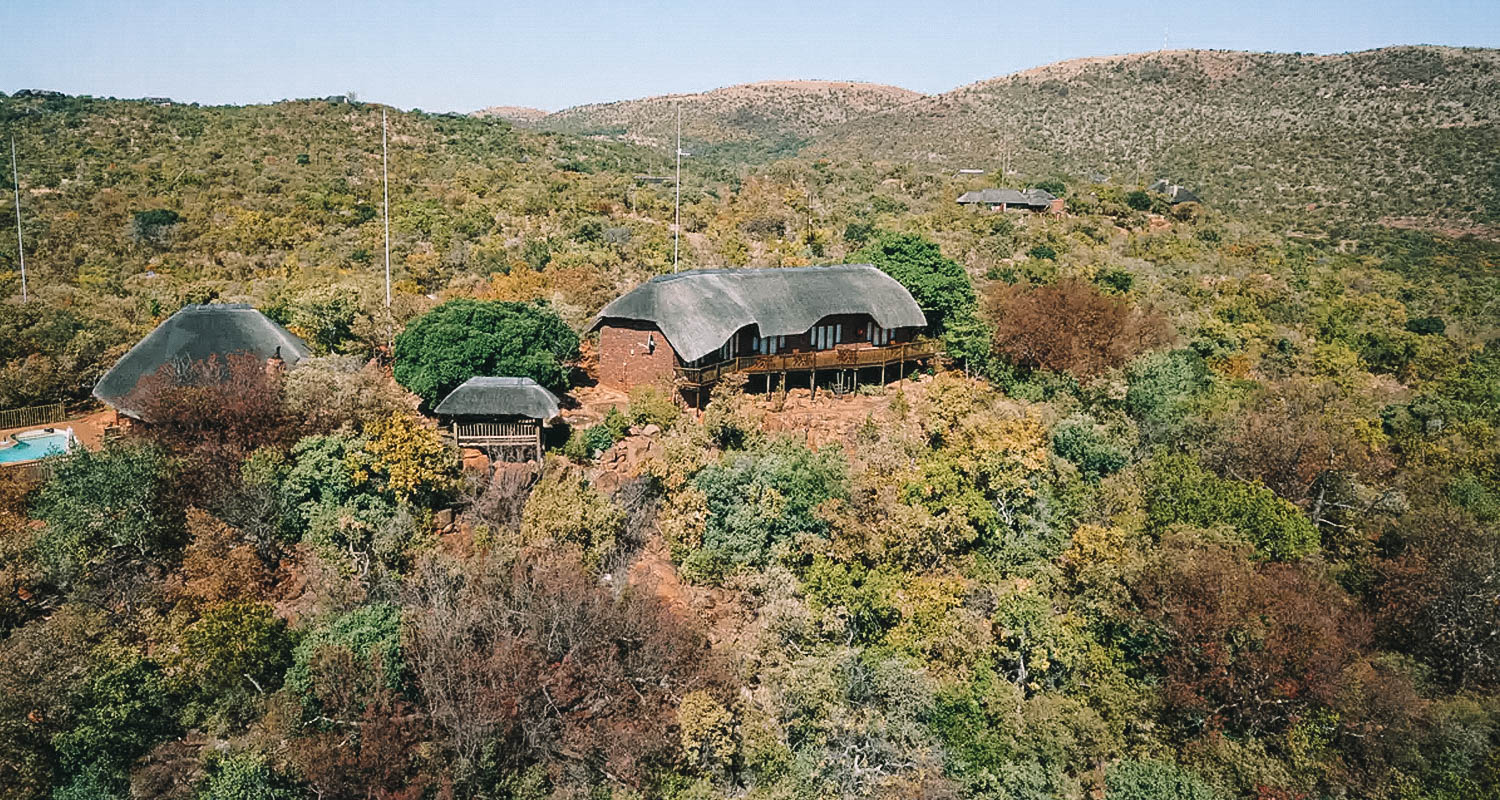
pixel 517 114
pixel 753 121
pixel 1400 131
pixel 1403 130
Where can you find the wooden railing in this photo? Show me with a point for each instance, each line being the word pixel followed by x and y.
pixel 852 358
pixel 32 415
pixel 498 434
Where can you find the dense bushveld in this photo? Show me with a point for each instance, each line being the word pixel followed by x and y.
pixel 1208 510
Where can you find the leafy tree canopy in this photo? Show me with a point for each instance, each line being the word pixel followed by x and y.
pixel 464 338
pixel 108 507
pixel 939 284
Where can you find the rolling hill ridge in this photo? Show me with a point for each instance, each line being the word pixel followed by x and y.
pixel 1399 131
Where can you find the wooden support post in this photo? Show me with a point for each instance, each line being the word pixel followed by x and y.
pixel 813 385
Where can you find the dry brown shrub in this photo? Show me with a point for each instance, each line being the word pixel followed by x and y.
pixel 218 565
pixel 1071 327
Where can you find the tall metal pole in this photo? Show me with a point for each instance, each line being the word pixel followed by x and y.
pixel 385 184
pixel 677 204
pixel 20 246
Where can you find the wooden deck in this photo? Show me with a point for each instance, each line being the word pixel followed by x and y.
pixel 815 361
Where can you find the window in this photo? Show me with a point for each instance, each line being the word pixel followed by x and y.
pixel 730 349
pixel 878 335
pixel 769 345
pixel 824 337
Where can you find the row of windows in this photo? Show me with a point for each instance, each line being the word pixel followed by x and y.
pixel 821 337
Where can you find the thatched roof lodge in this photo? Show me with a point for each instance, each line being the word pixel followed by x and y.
pixel 691 327
pixel 197 333
pixel 1006 199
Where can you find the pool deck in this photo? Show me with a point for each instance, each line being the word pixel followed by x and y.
pixel 89 428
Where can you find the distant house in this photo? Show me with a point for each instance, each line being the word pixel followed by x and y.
pixel 196 333
pixel 1007 199
pixel 499 414
pixel 690 329
pixel 1174 192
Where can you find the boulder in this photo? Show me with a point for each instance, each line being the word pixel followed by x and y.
pixel 473 460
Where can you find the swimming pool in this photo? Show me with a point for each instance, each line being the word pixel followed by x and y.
pixel 34 444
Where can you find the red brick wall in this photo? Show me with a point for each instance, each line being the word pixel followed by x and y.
pixel 624 360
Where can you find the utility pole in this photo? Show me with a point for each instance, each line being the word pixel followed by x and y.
pixel 20 246
pixel 677 203
pixel 385 188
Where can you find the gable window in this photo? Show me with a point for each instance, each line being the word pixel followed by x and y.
pixel 824 337
pixel 878 335
pixel 769 345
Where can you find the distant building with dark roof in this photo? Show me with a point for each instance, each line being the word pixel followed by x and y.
pixel 1007 199
pixel 1174 192
pixel 691 328
pixel 196 333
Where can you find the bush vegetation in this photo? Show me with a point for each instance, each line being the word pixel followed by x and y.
pixel 1204 507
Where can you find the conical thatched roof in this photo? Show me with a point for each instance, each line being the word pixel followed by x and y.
pixel 499 397
pixel 197 333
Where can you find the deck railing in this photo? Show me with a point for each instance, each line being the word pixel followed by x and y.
pixel 498 434
pixel 32 415
pixel 850 358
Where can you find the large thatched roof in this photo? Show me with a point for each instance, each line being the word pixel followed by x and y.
pixel 1031 198
pixel 197 333
pixel 699 310
pixel 499 397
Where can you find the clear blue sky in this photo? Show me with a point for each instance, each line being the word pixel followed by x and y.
pixel 463 55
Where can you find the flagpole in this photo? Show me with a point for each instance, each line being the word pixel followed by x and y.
pixel 677 203
pixel 20 246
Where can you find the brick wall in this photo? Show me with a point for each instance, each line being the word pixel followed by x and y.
pixel 625 360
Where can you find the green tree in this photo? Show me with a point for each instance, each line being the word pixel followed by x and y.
pixel 123 710
pixel 233 654
pixel 1155 780
pixel 1164 389
pixel 1179 491
pixel 105 509
pixel 464 338
pixel 370 634
pixel 940 285
pixel 245 776
pixel 1081 440
pixel 324 317
pixel 760 497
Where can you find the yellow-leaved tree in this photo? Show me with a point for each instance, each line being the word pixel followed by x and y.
pixel 413 460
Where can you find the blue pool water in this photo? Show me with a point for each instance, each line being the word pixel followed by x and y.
pixel 29 449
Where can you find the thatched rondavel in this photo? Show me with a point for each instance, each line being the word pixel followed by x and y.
pixel 196 333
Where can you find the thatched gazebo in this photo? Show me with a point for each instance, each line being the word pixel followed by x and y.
pixel 501 415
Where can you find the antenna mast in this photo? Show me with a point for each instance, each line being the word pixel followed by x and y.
pixel 385 189
pixel 677 203
pixel 20 247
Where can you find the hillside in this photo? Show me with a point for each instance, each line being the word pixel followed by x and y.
pixel 1395 132
pixel 753 121
pixel 1408 130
